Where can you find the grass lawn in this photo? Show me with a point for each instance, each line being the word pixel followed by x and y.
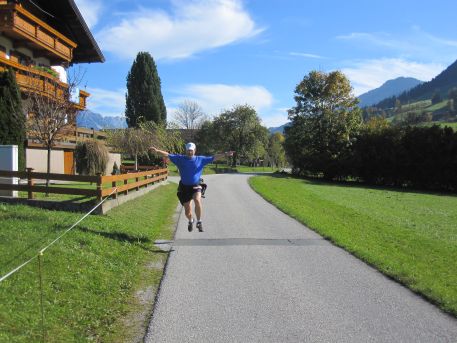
pixel 410 236
pixel 95 278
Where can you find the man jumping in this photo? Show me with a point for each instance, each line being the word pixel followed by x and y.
pixel 190 168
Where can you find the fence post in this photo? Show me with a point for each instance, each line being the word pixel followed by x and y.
pixel 113 184
pixel 30 183
pixel 126 191
pixel 153 175
pixel 99 187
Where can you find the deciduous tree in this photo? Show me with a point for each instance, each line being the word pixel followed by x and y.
pixel 189 115
pixel 276 150
pixel 51 111
pixel 240 130
pixel 325 121
pixel 132 141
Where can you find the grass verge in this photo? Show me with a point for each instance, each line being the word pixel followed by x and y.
pixel 93 278
pixel 411 237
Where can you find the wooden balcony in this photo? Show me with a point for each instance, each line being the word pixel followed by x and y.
pixel 70 137
pixel 27 30
pixel 33 80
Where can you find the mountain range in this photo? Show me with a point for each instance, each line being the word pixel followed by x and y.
pixel 441 84
pixel 388 89
pixel 92 120
pixel 278 128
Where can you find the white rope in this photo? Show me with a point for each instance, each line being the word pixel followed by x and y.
pixel 54 241
pixel 16 269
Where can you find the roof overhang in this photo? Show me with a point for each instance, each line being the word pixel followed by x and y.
pixel 64 16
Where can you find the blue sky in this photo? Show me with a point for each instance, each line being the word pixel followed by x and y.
pixel 225 52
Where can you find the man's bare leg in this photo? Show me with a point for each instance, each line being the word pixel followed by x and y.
pixel 198 205
pixel 188 213
pixel 198 210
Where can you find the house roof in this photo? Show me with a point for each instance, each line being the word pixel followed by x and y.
pixel 64 16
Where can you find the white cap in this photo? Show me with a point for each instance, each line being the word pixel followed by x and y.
pixel 190 146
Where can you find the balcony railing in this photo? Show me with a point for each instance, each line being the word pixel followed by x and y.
pixel 19 24
pixel 30 79
pixel 71 135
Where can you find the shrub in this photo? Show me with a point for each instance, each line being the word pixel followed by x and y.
pixel 407 156
pixel 91 157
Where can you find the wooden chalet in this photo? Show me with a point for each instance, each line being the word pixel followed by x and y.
pixel 39 39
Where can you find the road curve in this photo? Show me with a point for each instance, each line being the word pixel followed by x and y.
pixel 257 275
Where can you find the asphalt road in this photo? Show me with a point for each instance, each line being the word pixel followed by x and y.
pixel 257 275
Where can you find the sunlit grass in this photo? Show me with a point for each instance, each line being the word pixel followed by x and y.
pixel 410 236
pixel 90 276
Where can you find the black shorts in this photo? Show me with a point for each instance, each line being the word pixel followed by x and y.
pixel 186 193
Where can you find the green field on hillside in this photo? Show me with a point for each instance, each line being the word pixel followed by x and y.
pixel 415 105
pixel 410 236
pixel 437 106
pixel 453 125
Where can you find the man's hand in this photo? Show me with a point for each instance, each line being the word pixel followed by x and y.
pixel 224 154
pixel 157 151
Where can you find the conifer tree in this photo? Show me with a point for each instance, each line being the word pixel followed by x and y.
pixel 12 118
pixel 144 101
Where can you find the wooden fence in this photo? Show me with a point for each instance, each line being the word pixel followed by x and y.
pixel 104 185
pixel 127 168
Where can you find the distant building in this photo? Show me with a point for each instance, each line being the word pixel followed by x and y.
pixel 38 40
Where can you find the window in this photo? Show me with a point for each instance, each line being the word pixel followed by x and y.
pixel 22 58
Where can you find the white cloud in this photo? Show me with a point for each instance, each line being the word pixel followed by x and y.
pixel 193 26
pixel 380 39
pixel 107 102
pixel 413 44
pixel 90 10
pixel 214 98
pixel 303 54
pixel 369 74
pixel 442 41
pixel 277 118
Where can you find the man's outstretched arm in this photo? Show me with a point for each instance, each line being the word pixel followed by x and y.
pixel 160 152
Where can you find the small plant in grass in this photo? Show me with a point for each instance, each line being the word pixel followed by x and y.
pixel 115 169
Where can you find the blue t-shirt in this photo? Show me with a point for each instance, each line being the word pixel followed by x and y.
pixel 190 169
